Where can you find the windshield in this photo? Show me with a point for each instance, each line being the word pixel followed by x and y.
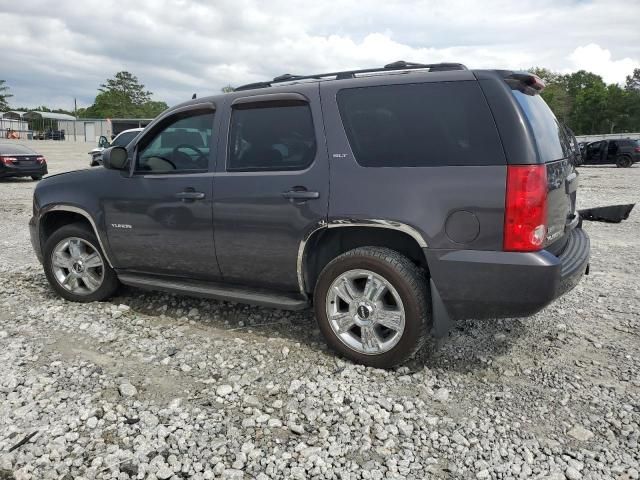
pixel 124 139
pixel 551 140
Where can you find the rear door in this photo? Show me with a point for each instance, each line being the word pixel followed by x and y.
pixel 554 149
pixel 273 188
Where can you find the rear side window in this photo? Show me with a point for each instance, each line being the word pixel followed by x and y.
pixel 271 137
pixel 420 125
pixel 551 139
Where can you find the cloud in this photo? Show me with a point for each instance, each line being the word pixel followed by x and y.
pixel 177 47
pixel 596 59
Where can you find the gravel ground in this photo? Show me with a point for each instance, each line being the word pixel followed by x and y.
pixel 156 386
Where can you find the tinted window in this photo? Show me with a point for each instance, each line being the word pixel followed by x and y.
pixel 420 125
pixel 181 145
pixel 13 149
pixel 124 139
pixel 551 140
pixel 268 137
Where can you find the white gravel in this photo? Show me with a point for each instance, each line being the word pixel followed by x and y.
pixel 175 387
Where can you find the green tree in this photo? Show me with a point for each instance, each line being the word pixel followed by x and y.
pixel 227 89
pixel 126 86
pixel 3 96
pixel 555 92
pixel 633 80
pixel 123 97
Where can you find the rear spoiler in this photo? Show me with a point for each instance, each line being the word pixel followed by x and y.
pixel 523 81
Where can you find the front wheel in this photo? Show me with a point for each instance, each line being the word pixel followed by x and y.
pixel 76 267
pixel 372 306
pixel 36 177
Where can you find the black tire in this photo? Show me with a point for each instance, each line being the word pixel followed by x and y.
pixel 110 281
pixel 409 282
pixel 623 161
pixel 36 177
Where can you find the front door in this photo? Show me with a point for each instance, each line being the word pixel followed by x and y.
pixel 273 188
pixel 160 219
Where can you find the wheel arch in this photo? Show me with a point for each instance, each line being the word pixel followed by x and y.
pixel 57 216
pixel 327 241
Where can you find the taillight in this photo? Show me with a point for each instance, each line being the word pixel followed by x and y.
pixel 8 160
pixel 525 214
pixel 41 160
pixel 637 149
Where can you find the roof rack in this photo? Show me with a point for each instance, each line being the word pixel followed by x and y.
pixel 390 67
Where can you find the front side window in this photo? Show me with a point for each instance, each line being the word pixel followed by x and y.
pixel 266 137
pixel 182 145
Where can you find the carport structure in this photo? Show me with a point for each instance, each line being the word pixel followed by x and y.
pixel 12 122
pixel 45 124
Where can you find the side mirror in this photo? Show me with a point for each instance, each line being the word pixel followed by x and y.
pixel 115 158
pixel 103 142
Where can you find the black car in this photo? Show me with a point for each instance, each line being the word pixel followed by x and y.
pixel 19 161
pixel 391 199
pixel 623 153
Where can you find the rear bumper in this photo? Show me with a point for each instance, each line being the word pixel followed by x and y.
pixel 38 171
pixel 488 284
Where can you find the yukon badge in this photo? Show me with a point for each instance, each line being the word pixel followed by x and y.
pixel 121 225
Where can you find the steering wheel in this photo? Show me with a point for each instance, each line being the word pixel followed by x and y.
pixel 153 160
pixel 191 147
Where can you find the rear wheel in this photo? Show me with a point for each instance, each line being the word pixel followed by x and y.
pixel 623 161
pixel 372 306
pixel 75 265
pixel 36 177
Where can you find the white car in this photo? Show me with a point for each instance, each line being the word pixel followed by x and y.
pixel 122 140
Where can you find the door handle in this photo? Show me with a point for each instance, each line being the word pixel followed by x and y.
pixel 300 195
pixel 186 196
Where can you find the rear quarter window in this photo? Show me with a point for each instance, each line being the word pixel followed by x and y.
pixel 420 125
pixel 551 140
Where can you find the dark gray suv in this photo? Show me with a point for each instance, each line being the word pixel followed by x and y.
pixel 391 199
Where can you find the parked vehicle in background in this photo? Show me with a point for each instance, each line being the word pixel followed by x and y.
pixel 121 140
pixel 623 153
pixel 49 135
pixel 20 161
pixel 392 199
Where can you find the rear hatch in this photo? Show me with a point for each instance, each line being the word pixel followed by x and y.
pixel 554 149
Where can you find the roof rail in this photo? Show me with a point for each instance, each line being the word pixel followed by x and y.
pixel 390 67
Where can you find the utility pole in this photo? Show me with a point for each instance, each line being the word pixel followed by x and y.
pixel 75 114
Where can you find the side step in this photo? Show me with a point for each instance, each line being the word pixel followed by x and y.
pixel 216 291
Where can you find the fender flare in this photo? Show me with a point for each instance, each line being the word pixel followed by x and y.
pixel 80 211
pixel 348 222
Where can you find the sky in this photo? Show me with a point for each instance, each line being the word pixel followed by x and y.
pixel 53 52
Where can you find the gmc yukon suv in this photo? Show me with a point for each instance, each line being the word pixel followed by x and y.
pixel 391 199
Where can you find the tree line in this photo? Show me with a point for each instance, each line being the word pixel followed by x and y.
pixel 581 100
pixel 122 96
pixel 584 102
